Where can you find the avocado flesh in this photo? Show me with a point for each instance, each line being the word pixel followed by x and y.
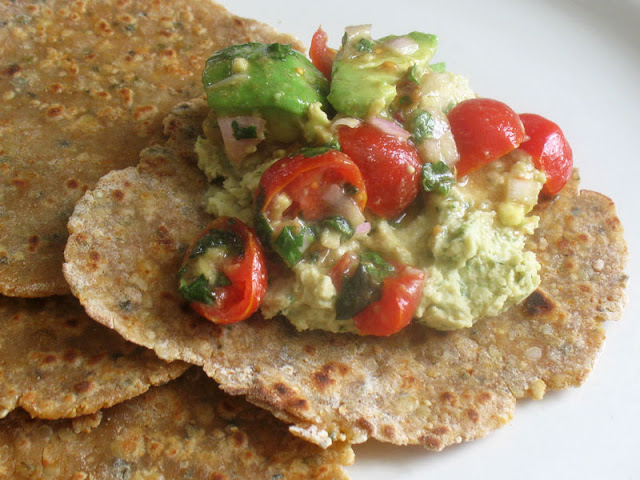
pixel 273 81
pixel 363 83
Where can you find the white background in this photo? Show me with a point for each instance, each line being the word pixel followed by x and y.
pixel 577 63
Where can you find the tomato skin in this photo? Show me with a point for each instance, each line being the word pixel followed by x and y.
pixel 247 274
pixel 391 167
pixel 484 130
pixel 550 151
pixel 305 179
pixel 321 55
pixel 395 309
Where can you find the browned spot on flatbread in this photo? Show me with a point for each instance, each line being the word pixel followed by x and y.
pixel 82 387
pixel 11 70
pixel 537 304
pixel 34 241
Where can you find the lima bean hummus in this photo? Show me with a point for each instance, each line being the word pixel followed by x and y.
pixel 353 185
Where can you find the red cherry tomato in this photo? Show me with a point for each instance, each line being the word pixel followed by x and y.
pixel 395 309
pixel 305 180
pixel 549 150
pixel 243 264
pixel 322 56
pixel 484 130
pixel 390 167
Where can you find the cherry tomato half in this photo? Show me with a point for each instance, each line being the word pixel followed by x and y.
pixel 395 309
pixel 234 252
pixel 300 189
pixel 305 181
pixel 484 130
pixel 390 166
pixel 321 55
pixel 550 151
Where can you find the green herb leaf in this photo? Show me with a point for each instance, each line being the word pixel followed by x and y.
pixel 197 291
pixel 341 225
pixel 365 45
pixel 438 178
pixel 364 287
pixel 438 67
pixel 316 151
pixel 241 133
pixel 218 239
pixel 422 126
pixel 357 293
pixel 377 266
pixel 279 51
pixel 289 245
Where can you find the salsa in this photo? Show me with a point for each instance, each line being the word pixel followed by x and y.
pixel 378 187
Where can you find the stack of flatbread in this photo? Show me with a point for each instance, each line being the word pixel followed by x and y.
pixel 103 371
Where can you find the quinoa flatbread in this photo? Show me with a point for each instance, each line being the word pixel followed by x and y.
pixel 84 86
pixel 419 386
pixel 186 429
pixel 56 362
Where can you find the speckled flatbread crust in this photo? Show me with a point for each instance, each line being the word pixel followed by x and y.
pixel 84 86
pixel 416 387
pixel 186 429
pixel 56 362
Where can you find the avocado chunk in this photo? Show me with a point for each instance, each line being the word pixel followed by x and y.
pixel 366 71
pixel 273 81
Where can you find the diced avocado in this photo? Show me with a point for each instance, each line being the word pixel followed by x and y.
pixel 365 72
pixel 271 80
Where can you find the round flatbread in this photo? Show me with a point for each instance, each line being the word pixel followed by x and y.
pixel 185 429
pixel 419 386
pixel 84 86
pixel 56 362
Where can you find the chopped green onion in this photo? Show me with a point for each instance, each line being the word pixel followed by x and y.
pixel 437 177
pixel 422 126
pixel 241 133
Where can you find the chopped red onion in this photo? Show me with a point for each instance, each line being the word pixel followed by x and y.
pixel 237 149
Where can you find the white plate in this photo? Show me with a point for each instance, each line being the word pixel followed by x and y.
pixel 577 63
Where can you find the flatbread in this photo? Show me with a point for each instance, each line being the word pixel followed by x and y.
pixel 186 429
pixel 55 362
pixel 84 86
pixel 416 387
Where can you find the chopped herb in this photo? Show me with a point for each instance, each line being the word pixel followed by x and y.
pixel 4 260
pixel 415 74
pixel 130 27
pixel 340 225
pixel 218 239
pixel 437 177
pixel 197 291
pixel 422 126
pixel 365 45
pixel 438 67
pixel 289 245
pixel 279 51
pixel 64 143
pixel 315 151
pixel 377 266
pixel 241 133
pixel 364 287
